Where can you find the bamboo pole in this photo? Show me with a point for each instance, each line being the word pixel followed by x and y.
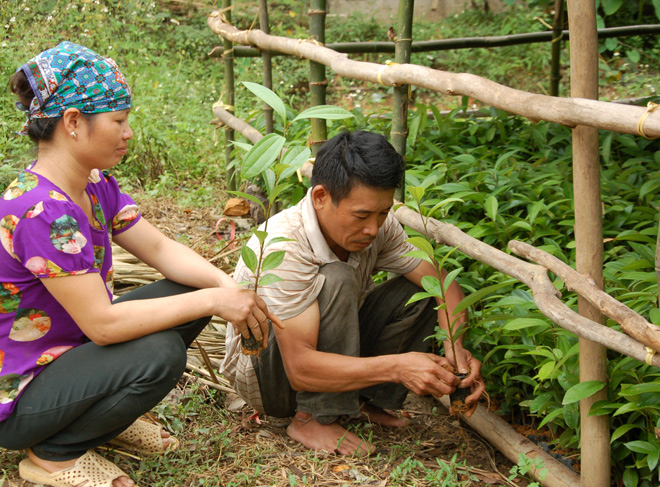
pixel 229 96
pixel 399 131
pixel 566 111
pixel 555 63
pixel 642 333
pixel 317 80
pixel 511 443
pixel 459 42
pixel 594 430
pixel 266 57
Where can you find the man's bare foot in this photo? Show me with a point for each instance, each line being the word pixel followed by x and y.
pixel 382 417
pixel 326 437
pixel 52 467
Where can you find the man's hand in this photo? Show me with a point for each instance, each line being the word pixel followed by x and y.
pixel 467 364
pixel 426 373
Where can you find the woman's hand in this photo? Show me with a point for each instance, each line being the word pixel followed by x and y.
pixel 246 311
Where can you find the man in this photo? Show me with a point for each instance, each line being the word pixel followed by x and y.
pixel 348 348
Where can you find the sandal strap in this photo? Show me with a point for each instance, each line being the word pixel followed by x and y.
pixel 91 468
pixel 144 437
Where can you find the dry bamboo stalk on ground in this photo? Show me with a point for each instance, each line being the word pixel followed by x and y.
pixel 566 111
pixel 507 440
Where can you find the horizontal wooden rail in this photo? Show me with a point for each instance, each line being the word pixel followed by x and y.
pixel 565 111
pixel 455 43
pixel 546 296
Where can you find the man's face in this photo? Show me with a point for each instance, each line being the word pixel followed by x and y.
pixel 351 225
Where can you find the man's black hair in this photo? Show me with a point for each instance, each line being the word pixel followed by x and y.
pixel 352 158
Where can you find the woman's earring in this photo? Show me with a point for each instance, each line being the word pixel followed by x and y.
pixel 74 135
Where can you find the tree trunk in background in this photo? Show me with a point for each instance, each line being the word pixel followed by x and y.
pixel 595 433
pixel 557 29
pixel 399 132
pixel 228 56
pixel 268 65
pixel 317 80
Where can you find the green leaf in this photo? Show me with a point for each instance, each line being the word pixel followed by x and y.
pixel 276 191
pixel 272 260
pixel 654 456
pixel 633 55
pixel 545 370
pixel 269 97
pixel 249 258
pixel 431 284
pixel 639 389
pixel 250 197
pixel 268 279
pixel 262 155
pixel 480 294
pixel 416 192
pixel 278 240
pixel 418 254
pixel 656 6
pixel 422 244
pixel 418 297
pixel 626 408
pixel 269 180
pixel 630 477
pixel 296 156
pixel 611 6
pixel 554 414
pixel 582 390
pixel 491 207
pixel 521 323
pixel 326 112
pixel 261 235
pixel 641 446
pixel 622 430
pixel 449 278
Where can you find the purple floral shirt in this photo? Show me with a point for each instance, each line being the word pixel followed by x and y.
pixel 43 235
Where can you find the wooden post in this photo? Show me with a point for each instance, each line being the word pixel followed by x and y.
pixel 595 434
pixel 403 44
pixel 266 56
pixel 557 30
pixel 317 80
pixel 228 56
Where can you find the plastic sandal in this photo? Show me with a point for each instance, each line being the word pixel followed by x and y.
pixel 144 438
pixel 91 470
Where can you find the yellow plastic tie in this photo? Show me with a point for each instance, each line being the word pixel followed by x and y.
pixel 295 48
pixel 220 104
pixel 650 106
pixel 650 353
pixel 379 74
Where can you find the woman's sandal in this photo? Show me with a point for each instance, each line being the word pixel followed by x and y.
pixel 144 438
pixel 91 469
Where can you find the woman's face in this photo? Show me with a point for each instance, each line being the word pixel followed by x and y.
pixel 104 138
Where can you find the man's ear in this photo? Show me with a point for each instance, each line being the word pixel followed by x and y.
pixel 320 197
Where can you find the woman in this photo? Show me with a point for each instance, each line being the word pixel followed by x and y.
pixel 77 368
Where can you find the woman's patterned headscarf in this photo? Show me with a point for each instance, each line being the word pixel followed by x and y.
pixel 72 76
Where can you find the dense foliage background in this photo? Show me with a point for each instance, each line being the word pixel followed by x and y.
pixel 497 178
